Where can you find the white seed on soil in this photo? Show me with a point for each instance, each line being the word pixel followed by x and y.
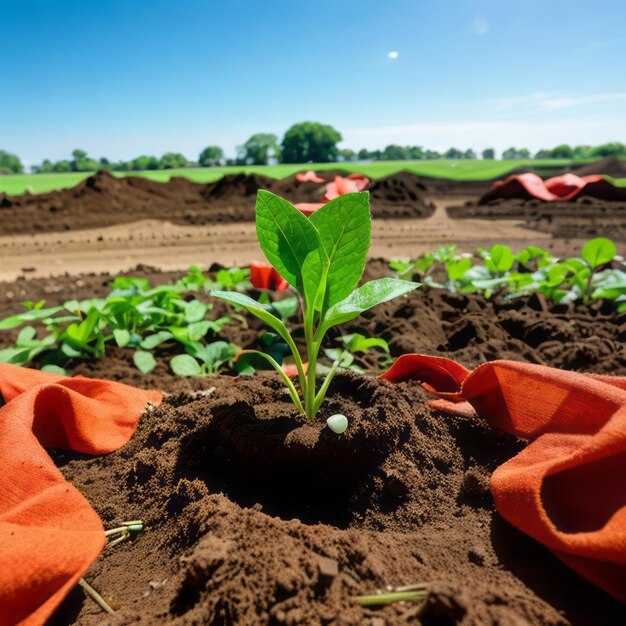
pixel 337 423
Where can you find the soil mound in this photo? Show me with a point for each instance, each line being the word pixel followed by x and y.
pixel 254 517
pixel 105 200
pixel 584 218
pixel 611 166
pixel 237 186
pixel 237 535
pixel 400 195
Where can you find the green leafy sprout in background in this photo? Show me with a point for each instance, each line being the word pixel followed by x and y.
pixel 323 258
pixel 599 273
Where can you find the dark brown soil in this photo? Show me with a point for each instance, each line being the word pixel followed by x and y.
pixel 254 517
pixel 586 217
pixel 105 200
pixel 611 166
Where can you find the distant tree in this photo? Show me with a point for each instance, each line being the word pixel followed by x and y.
pixel 347 155
pixel 47 166
pixel 469 154
pixel 310 141
pixel 144 162
pixel 582 152
pixel 514 153
pixel 542 154
pixel 489 153
pixel 62 166
pixel 172 160
pixel 211 156
pixel 432 155
pixel 564 151
pixel 416 152
pixel 363 154
pixel 82 162
pixel 613 148
pixel 10 164
pixel 105 163
pixel 258 150
pixel 395 153
pixel 453 153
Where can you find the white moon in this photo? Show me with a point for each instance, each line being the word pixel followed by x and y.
pixel 393 55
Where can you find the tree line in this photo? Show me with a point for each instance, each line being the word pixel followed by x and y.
pixel 303 142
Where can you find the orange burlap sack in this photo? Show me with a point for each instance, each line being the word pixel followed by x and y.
pixel 49 534
pixel 567 488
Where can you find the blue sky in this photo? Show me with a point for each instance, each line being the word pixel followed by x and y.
pixel 126 77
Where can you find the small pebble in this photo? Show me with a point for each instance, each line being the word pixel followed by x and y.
pixel 337 423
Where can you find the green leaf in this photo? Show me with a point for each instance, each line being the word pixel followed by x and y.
pixel 197 330
pixel 500 259
pixel 458 267
pixel 28 316
pixel 69 351
pixel 25 335
pixel 54 369
pixel 360 343
pixel 195 311
pixel 285 307
pixel 291 243
pixel 365 297
pixel 257 309
pixel 15 356
pixel 144 361
pixel 345 229
pixel 599 251
pixel 185 365
pixel 122 337
pixel 152 341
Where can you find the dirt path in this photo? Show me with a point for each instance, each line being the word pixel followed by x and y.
pixel 174 247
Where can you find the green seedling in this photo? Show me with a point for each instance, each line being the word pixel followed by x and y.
pixel 322 258
pixel 351 346
pixel 133 315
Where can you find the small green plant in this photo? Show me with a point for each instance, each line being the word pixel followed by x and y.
pixel 598 274
pixel 133 316
pixel 322 258
pixel 352 345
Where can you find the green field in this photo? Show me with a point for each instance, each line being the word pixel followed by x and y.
pixel 452 169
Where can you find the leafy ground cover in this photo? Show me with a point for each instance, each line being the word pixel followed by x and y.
pixel 598 274
pixel 445 168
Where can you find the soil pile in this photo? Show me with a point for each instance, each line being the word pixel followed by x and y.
pixel 105 200
pixel 400 195
pixel 586 217
pixel 256 518
pixel 611 166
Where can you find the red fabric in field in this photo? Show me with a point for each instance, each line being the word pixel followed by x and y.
pixel 49 534
pixel 264 276
pixel 566 489
pixel 341 186
pixel 308 208
pixel 308 176
pixel 558 188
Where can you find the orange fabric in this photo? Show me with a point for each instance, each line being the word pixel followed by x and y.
pixel 49 534
pixel 558 188
pixel 308 176
pixel 567 488
pixel 341 186
pixel 264 276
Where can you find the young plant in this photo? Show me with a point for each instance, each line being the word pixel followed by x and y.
pixel 322 258
pixel 351 346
